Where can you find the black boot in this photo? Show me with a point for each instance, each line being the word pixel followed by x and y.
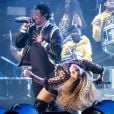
pixel 52 106
pixel 41 106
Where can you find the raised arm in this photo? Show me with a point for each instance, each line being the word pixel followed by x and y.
pixel 38 79
pixel 59 76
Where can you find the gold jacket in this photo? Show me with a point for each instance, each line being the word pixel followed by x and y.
pixel 96 29
pixel 83 48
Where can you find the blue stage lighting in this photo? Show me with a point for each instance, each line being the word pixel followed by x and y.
pixel 2 110
pixel 24 109
pixel 101 107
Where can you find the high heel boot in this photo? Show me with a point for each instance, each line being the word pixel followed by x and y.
pixel 41 106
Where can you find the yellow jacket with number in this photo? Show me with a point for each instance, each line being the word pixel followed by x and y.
pixel 83 48
pixel 96 34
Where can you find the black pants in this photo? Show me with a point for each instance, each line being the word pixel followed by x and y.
pixel 41 65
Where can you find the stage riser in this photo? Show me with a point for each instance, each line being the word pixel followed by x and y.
pixel 15 91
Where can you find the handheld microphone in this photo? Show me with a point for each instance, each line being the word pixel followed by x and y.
pixel 23 19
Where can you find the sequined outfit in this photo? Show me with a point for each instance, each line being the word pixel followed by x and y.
pixel 62 74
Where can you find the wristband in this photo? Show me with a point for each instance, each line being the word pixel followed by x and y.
pixel 23 29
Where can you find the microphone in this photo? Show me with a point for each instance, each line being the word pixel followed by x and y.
pixel 23 19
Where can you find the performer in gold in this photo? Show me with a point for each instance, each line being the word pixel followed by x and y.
pixel 98 21
pixel 76 45
pixel 70 17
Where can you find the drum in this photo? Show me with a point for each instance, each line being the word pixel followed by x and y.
pixel 14 90
pixel 15 87
pixel 107 87
pixel 108 35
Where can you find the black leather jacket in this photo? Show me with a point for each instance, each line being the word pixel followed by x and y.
pixel 51 38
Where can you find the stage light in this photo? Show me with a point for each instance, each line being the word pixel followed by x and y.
pixel 101 107
pixel 23 109
pixel 2 110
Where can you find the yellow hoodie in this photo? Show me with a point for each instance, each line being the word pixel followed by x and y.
pixel 82 49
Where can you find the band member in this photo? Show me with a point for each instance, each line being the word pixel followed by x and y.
pixel 70 17
pixel 76 45
pixel 71 84
pixel 41 41
pixel 98 21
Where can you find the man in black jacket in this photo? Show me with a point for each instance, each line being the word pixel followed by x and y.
pixel 42 42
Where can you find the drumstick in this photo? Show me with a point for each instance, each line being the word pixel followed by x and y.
pixel 9 61
pixel 100 9
pixel 10 34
